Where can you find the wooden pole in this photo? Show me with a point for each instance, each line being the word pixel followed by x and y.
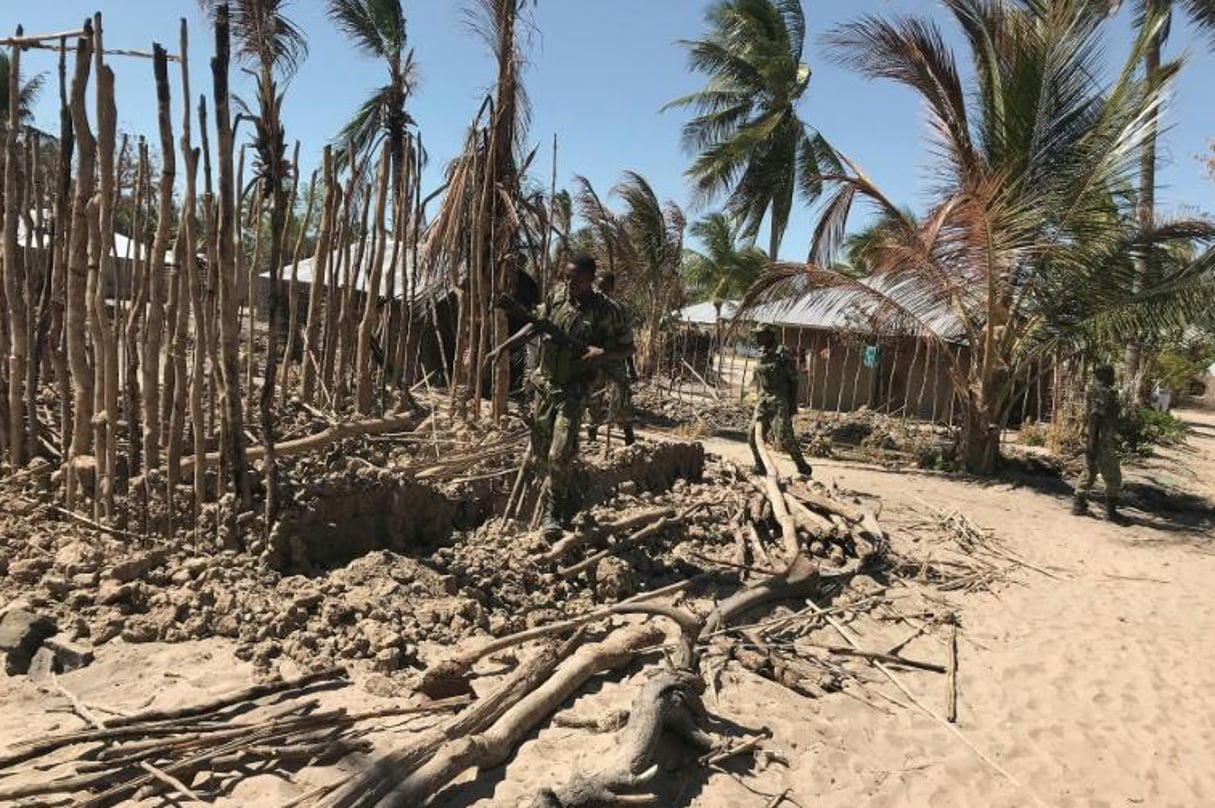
pixel 77 273
pixel 14 271
pixel 106 344
pixel 233 421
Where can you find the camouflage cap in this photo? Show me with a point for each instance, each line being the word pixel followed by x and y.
pixel 763 328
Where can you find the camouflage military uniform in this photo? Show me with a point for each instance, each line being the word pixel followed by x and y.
pixel 1103 407
pixel 776 375
pixel 612 390
pixel 563 384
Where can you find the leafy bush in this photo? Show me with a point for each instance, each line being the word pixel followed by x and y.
pixel 1142 428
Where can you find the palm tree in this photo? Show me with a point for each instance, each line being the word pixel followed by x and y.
pixel 747 138
pixel 479 236
pixel 1156 15
pixel 726 269
pixel 643 246
pixel 27 95
pixel 1028 240
pixel 377 27
pixel 275 45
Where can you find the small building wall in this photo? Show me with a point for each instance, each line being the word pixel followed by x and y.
pixel 911 376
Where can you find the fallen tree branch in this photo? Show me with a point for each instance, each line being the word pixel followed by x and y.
pixel 875 656
pixel 337 432
pixel 493 746
pixel 825 503
pixel 579 538
pixel 776 497
pixel 448 674
pixel 800 579
pixel 641 535
pixel 367 787
pixel 669 701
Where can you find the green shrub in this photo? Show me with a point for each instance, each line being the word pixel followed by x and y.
pixel 1142 428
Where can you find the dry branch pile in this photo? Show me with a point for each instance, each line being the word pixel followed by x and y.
pixel 195 751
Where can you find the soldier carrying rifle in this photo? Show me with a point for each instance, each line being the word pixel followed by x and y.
pixel 582 332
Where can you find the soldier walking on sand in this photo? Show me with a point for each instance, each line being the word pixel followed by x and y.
pixel 612 392
pixel 1100 447
pixel 776 375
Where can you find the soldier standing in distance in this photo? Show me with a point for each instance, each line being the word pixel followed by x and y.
pixel 776 375
pixel 613 383
pixel 1100 448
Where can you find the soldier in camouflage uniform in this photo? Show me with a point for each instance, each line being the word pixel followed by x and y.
pixel 563 378
pixel 1101 450
pixel 612 388
pixel 776 375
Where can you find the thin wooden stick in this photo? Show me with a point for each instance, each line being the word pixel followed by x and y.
pixel 877 656
pixel 777 800
pixel 951 715
pixel 980 754
pixel 84 712
pixel 168 779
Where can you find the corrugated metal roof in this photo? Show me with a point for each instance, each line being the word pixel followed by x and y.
pixel 404 259
pixel 842 309
pixel 706 313
pixel 124 248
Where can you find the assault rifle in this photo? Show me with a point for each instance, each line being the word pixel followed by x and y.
pixel 548 328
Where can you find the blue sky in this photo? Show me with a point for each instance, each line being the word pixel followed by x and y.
pixel 599 72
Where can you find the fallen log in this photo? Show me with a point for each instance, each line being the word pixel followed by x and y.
pixel 579 538
pixel 668 702
pixel 776 497
pixel 817 526
pixel 494 745
pixel 825 503
pixel 368 786
pixel 799 580
pixel 337 432
pixel 448 675
pixel 641 535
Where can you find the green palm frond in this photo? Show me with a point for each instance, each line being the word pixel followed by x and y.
pixel 747 140
pixel 27 95
pixel 263 33
pixel 376 26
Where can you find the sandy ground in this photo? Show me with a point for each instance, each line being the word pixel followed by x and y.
pixel 1093 686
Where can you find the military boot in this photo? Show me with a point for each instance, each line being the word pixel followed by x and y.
pixel 550 528
pixel 804 468
pixel 1113 514
pixel 1080 505
pixel 629 438
pixel 592 433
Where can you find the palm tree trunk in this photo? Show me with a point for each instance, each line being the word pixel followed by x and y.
pixel 364 372
pixel 1136 388
pixel 317 297
pixel 233 418
pixel 280 205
